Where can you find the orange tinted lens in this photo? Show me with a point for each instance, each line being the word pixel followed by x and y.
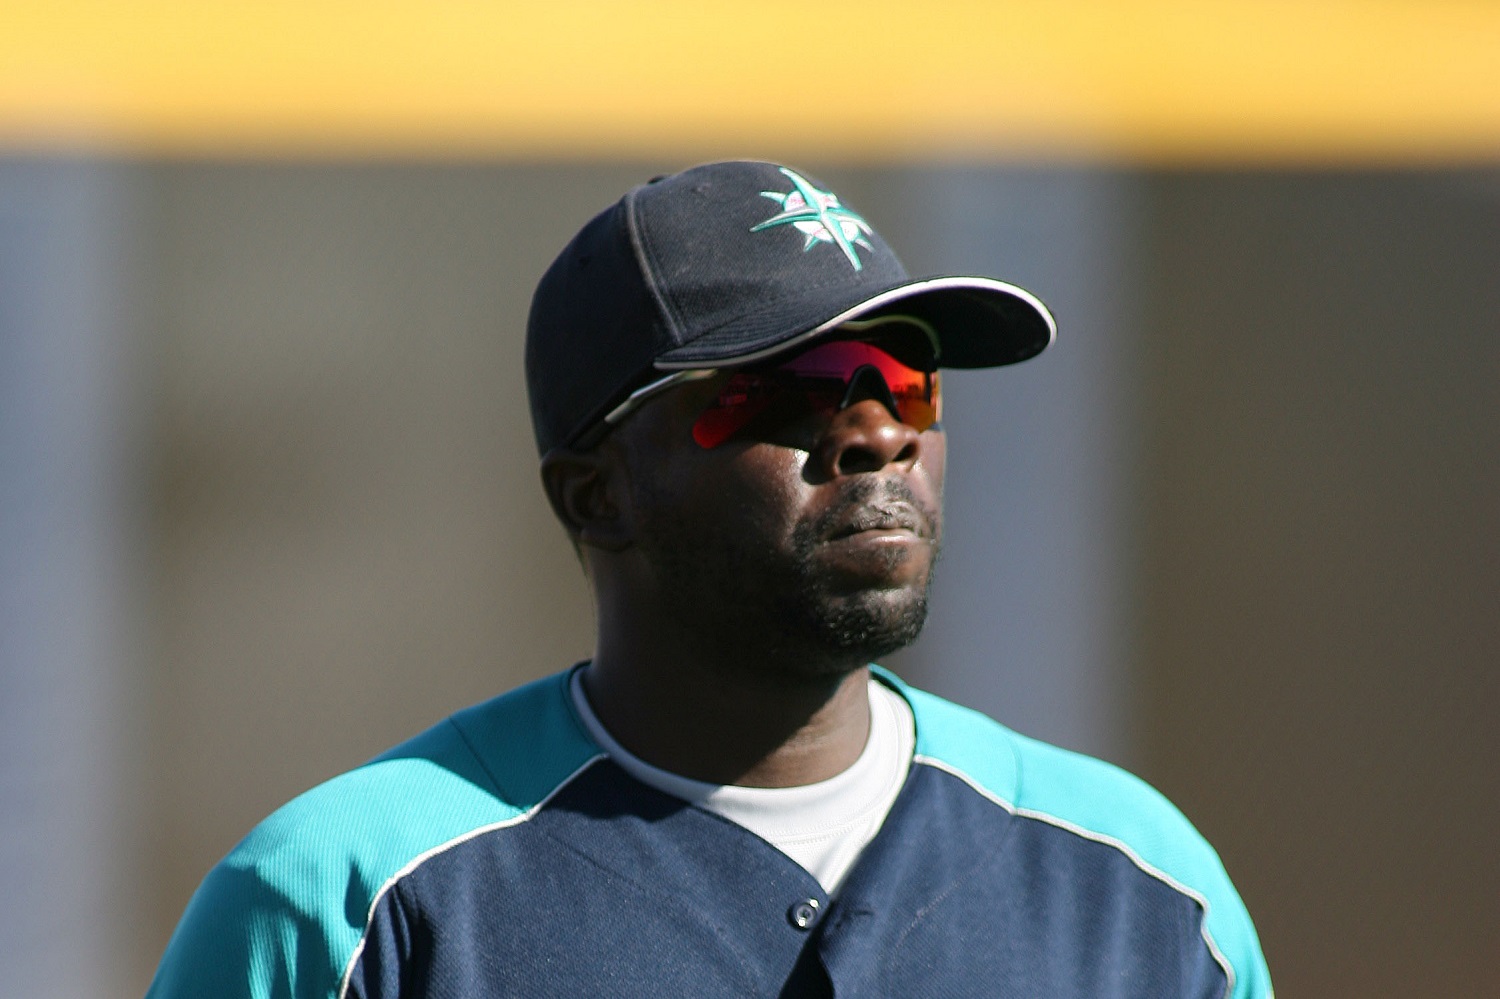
pixel 921 410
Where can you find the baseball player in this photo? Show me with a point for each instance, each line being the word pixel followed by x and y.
pixel 736 394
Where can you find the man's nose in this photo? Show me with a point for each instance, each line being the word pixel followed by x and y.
pixel 865 436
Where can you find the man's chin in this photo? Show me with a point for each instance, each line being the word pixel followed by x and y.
pixel 871 623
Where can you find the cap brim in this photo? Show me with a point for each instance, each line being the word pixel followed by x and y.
pixel 980 323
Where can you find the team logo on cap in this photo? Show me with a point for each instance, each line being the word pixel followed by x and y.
pixel 819 217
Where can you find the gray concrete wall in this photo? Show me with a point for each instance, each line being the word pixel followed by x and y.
pixel 73 608
pixel 1031 604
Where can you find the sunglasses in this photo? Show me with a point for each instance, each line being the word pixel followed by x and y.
pixel 823 379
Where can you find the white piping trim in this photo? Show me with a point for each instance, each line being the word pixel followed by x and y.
pixel 948 768
pixel 1098 837
pixel 427 855
pixel 869 304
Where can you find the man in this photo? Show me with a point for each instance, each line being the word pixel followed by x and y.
pixel 735 390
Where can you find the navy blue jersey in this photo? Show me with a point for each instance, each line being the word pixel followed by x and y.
pixel 501 853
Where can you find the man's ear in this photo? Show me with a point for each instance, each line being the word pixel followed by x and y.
pixel 587 492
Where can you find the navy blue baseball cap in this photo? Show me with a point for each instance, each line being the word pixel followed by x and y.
pixel 727 264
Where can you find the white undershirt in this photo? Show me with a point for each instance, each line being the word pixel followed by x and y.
pixel 822 826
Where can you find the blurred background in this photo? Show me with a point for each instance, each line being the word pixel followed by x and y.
pixel 269 500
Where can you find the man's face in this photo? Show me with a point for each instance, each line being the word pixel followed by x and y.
pixel 812 537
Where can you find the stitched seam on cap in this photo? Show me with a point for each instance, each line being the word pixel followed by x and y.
pixel 645 262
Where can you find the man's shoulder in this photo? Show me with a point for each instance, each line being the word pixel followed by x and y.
pixel 486 764
pixel 1092 800
pixel 314 867
pixel 1033 778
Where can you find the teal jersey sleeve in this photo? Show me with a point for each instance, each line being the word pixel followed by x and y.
pixel 284 914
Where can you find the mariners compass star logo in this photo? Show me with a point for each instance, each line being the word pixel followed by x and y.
pixel 819 217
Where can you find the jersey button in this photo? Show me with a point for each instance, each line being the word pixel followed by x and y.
pixel 803 914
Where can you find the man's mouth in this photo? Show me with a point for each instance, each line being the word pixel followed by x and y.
pixel 895 517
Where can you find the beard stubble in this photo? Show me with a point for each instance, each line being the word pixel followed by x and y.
pixel 797 613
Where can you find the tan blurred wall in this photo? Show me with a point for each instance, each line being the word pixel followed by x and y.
pixel 345 525
pixel 352 541
pixel 1319 643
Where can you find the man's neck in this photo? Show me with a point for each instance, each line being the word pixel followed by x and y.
pixel 731 724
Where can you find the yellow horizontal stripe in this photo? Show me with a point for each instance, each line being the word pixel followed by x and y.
pixel 1151 80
